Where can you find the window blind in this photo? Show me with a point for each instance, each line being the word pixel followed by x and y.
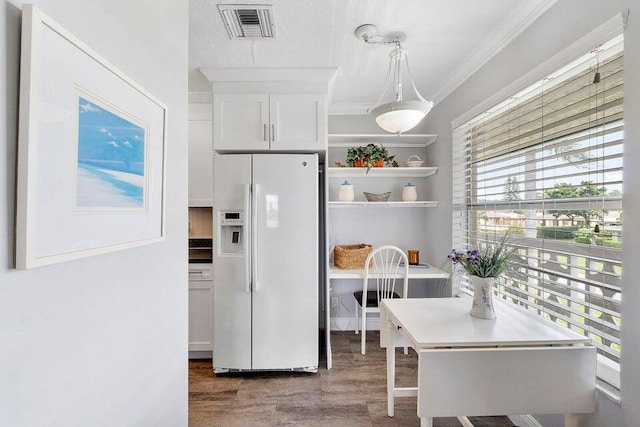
pixel 545 166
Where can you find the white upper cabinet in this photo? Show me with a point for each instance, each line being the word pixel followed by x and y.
pixel 200 152
pixel 269 122
pixel 240 122
pixel 298 122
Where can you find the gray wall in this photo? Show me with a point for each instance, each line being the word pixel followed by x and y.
pixel 100 341
pixel 563 24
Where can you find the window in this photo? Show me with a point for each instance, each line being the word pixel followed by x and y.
pixel 546 165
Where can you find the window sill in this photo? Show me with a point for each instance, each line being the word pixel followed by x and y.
pixel 610 392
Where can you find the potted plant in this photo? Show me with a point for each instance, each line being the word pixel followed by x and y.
pixel 483 266
pixel 370 155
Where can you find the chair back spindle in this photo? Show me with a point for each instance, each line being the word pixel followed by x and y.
pixel 387 266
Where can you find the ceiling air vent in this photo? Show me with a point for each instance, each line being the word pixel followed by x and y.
pixel 248 20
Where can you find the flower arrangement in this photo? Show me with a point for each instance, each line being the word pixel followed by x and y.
pixel 489 260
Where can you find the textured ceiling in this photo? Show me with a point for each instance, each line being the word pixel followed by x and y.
pixel 442 36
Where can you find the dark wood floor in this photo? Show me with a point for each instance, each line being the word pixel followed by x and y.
pixel 353 393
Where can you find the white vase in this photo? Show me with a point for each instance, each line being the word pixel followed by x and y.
pixel 482 307
pixel 346 192
pixel 409 193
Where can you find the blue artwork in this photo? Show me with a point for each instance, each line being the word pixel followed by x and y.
pixel 111 159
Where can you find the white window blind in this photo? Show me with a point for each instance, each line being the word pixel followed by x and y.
pixel 546 166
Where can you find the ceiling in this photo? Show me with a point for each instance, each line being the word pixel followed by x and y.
pixel 446 40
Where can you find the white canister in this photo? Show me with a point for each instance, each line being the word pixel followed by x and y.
pixel 409 193
pixel 346 192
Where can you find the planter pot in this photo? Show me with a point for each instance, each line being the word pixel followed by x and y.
pixel 360 164
pixel 482 307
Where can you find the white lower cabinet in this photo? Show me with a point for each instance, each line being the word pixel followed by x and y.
pixel 200 310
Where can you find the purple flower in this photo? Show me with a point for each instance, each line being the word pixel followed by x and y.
pixel 491 259
pixel 454 256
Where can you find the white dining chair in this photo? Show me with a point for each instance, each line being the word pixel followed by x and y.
pixel 385 267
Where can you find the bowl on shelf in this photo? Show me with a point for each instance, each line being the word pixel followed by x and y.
pixel 414 161
pixel 373 197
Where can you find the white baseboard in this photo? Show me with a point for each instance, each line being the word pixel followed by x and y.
pixel 524 421
pixel 200 354
pixel 348 323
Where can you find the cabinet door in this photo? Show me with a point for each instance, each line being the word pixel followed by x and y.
pixel 201 315
pixel 298 122
pixel 240 122
pixel 200 155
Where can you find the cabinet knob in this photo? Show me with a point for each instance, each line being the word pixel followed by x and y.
pixel 264 137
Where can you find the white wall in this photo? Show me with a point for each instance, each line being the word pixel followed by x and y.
pixel 100 341
pixel 563 24
pixel 631 205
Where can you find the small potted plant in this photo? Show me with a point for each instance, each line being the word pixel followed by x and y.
pixel 370 155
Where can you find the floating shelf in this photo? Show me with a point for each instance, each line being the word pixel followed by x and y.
pixel 417 204
pixel 392 140
pixel 399 172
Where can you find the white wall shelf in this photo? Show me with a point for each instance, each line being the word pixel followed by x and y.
pixel 417 204
pixel 392 140
pixel 386 172
pixel 398 223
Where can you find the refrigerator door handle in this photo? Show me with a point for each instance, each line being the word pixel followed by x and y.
pixel 254 233
pixel 245 238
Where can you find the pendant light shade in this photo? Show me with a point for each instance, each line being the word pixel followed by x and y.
pixel 400 116
pixel 397 116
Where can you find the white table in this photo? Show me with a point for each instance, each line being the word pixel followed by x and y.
pixel 517 364
pixel 336 274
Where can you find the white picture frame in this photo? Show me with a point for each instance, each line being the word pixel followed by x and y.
pixel 91 152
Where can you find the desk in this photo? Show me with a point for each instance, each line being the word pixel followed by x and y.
pixel 336 274
pixel 414 273
pixel 517 364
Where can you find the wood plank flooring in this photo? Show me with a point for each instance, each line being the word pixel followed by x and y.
pixel 352 394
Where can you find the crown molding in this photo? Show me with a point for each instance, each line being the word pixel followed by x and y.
pixel 322 74
pixel 599 35
pixel 517 21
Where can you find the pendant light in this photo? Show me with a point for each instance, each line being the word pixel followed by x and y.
pixel 400 115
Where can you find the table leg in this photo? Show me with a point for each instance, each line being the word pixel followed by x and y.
pixel 426 422
pixel 391 367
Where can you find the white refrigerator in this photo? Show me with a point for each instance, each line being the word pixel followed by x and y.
pixel 265 262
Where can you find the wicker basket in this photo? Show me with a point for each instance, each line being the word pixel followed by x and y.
pixel 351 257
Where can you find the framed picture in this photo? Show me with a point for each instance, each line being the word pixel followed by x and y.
pixel 91 152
